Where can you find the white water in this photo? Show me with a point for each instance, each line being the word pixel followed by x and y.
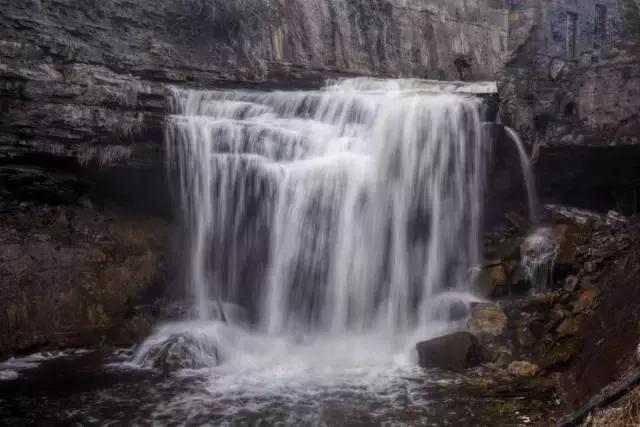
pixel 346 222
pixel 539 253
pixel 529 177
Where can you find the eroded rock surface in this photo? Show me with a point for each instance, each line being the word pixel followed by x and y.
pixel 72 275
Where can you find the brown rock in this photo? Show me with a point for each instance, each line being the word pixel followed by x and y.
pixel 585 300
pixel 525 337
pixel 497 353
pixel 557 315
pixel 487 318
pixel 523 369
pixel 555 355
pixel 570 238
pixel 493 275
pixel 570 283
pixel 568 327
pixel 73 285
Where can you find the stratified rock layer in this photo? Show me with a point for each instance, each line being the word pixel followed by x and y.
pixel 85 80
pixel 73 275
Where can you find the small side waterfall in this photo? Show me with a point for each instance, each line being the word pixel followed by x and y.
pixel 529 178
pixel 539 250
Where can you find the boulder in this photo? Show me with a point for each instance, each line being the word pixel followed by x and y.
pixel 454 352
pixel 179 351
pixel 570 239
pixel 568 327
pixel 499 354
pixel 487 318
pixel 492 277
pixel 558 354
pixel 525 337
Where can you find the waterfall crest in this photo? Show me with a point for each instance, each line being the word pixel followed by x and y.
pixel 340 210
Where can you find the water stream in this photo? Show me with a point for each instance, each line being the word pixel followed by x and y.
pixel 529 177
pixel 539 249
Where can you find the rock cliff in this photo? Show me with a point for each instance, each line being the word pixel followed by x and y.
pixel 85 80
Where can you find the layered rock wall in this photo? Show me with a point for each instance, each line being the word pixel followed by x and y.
pixel 576 104
pixel 84 80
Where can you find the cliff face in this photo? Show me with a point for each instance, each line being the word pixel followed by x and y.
pixel 84 80
pixel 573 96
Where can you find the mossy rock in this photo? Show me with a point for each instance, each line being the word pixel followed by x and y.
pixel 492 276
pixel 555 355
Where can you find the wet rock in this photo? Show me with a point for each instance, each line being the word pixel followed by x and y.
pixel 525 337
pixel 509 248
pixel 499 354
pixel 570 239
pixel 556 354
pixel 455 352
pixel 523 369
pixel 615 218
pixel 581 217
pixel 585 300
pixel 491 381
pixel 569 326
pixel 558 314
pixel 180 352
pixel 571 283
pixel 492 277
pixel 487 318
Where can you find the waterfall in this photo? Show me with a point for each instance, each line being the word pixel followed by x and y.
pixel 527 171
pixel 539 249
pixel 346 209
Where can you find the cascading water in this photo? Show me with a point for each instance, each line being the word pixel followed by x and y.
pixel 539 250
pixel 366 199
pixel 527 172
pixel 346 222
